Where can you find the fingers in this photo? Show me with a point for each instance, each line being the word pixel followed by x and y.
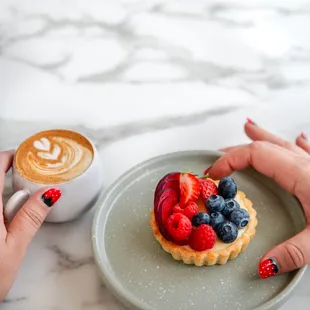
pixel 275 162
pixel 303 142
pixel 257 133
pixel 6 159
pixel 290 255
pixel 230 148
pixel 30 217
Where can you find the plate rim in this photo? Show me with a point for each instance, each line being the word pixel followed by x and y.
pixel 127 299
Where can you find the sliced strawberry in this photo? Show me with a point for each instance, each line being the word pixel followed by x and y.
pixel 189 188
pixel 208 188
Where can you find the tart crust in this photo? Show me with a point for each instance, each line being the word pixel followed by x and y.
pixel 210 257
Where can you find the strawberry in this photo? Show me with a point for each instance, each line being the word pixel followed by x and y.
pixel 208 188
pixel 189 211
pixel 202 238
pixel 189 188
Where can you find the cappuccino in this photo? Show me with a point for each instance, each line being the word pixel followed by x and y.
pixel 53 156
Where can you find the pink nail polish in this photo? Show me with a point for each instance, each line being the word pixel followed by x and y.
pixel 303 135
pixel 250 121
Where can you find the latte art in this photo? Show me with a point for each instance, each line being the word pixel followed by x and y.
pixel 54 156
pixel 61 156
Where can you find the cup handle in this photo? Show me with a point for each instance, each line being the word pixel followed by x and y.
pixel 16 201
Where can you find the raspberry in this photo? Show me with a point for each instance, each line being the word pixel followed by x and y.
pixel 202 238
pixel 208 188
pixel 179 226
pixel 189 211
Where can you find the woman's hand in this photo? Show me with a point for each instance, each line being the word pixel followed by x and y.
pixel 16 236
pixel 289 165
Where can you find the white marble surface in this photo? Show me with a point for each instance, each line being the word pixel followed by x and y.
pixel 142 78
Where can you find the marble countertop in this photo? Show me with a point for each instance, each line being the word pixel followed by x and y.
pixel 142 78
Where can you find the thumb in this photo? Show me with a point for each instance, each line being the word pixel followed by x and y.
pixel 287 256
pixel 30 217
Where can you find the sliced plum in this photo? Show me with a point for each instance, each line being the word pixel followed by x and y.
pixel 167 204
pixel 167 178
pixel 164 209
pixel 166 196
pixel 172 184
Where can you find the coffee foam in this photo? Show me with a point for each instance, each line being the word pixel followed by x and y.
pixel 53 156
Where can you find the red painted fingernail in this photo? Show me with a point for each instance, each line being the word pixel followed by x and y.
pixel 303 135
pixel 250 121
pixel 268 268
pixel 51 196
pixel 207 170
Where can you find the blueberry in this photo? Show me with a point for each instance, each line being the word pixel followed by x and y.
pixel 215 203
pixel 201 218
pixel 227 232
pixel 230 206
pixel 227 188
pixel 216 218
pixel 240 218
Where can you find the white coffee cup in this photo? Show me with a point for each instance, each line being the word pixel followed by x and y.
pixel 78 194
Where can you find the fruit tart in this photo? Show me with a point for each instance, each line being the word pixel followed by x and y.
pixel 202 221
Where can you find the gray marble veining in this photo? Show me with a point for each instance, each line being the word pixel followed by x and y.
pixel 142 78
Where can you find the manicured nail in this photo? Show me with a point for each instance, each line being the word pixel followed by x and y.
pixel 51 196
pixel 268 268
pixel 207 170
pixel 250 121
pixel 303 135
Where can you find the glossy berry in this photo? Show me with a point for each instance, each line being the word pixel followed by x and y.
pixel 208 188
pixel 189 188
pixel 178 226
pixel 240 218
pixel 202 238
pixel 189 211
pixel 201 218
pixel 215 203
pixel 227 188
pixel 216 218
pixel 230 206
pixel 227 232
pixel 268 268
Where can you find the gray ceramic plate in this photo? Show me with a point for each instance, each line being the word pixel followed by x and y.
pixel 143 276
